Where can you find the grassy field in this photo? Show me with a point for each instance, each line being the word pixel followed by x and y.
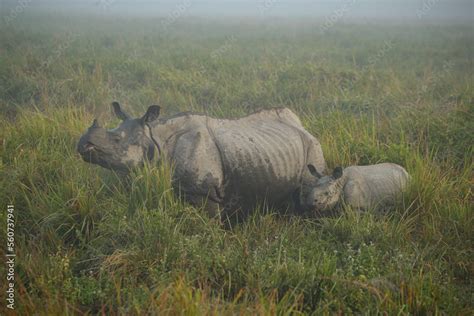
pixel 89 242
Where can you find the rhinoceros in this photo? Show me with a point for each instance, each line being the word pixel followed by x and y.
pixel 230 164
pixel 377 187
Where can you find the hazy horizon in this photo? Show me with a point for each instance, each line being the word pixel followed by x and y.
pixel 418 10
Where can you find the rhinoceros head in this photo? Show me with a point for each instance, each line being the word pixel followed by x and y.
pixel 123 147
pixel 327 191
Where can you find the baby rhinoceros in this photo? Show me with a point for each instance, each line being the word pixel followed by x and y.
pixel 375 187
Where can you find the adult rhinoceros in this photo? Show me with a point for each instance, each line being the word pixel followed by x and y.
pixel 232 164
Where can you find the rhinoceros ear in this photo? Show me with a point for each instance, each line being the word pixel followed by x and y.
pixel 337 173
pixel 118 111
pixel 151 114
pixel 314 172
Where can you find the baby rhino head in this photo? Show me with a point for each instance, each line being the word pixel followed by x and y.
pixel 324 196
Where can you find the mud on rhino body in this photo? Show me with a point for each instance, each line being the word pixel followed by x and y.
pixel 231 164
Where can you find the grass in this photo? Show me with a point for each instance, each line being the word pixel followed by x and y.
pixel 90 242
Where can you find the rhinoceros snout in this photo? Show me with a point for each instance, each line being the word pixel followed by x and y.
pixel 88 141
pixel 85 147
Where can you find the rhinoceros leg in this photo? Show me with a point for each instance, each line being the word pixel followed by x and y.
pixel 315 156
pixel 212 208
pixel 198 170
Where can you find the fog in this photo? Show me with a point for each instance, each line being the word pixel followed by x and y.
pixel 417 10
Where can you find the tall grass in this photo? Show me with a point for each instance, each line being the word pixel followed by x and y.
pixel 90 241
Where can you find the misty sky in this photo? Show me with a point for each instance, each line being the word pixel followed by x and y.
pixel 348 9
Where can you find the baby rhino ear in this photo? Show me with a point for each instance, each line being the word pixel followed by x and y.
pixel 337 173
pixel 313 171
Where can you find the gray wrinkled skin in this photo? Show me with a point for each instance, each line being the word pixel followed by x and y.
pixel 378 187
pixel 122 148
pixel 231 164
